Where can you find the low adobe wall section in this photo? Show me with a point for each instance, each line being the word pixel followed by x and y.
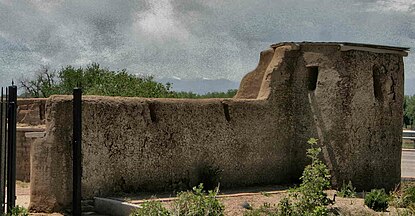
pixel 31 111
pixel 30 125
pixel 350 100
pixel 25 136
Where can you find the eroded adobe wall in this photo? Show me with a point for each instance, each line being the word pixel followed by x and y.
pixel 137 144
pixel 132 144
pixel 24 139
pixel 357 109
pixel 31 111
pixel 22 157
pixel 363 124
pixel 251 83
pixel 30 118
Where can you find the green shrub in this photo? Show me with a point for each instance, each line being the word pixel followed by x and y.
pixel 285 207
pixel 197 202
pixel 188 203
pixel 347 190
pixel 405 197
pixel 309 198
pixel 411 209
pixel 409 195
pixel 265 210
pixel 18 211
pixel 151 208
pixel 377 200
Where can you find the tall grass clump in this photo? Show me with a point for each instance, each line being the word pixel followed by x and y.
pixel 404 197
pixel 347 190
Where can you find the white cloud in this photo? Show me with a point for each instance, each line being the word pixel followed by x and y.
pixel 45 5
pixel 188 39
pixel 159 22
pixel 406 6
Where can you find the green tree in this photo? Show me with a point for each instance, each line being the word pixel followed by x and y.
pixel 42 85
pixel 229 94
pixel 409 111
pixel 95 80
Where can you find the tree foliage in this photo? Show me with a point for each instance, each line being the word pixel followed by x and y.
pixel 409 111
pixel 229 94
pixel 95 80
pixel 42 85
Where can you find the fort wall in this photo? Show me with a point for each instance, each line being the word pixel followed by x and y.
pixel 350 100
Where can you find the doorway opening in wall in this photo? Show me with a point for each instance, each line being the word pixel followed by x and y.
pixel 312 75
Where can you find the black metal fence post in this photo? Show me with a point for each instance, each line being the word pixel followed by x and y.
pixel 2 152
pixel 11 152
pixel 77 156
pixel 6 114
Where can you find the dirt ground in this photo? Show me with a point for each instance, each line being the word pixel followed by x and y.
pixel 22 194
pixel 23 198
pixel 235 201
pixel 347 206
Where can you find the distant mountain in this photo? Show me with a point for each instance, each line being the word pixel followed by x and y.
pixel 201 85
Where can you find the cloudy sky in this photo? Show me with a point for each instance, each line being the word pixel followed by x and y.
pixel 188 39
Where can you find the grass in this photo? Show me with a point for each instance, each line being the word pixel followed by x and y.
pixel 188 203
pixel 404 195
pixel 263 193
pixel 151 208
pixel 408 144
pixel 22 184
pixel 18 211
pixel 377 199
pixel 347 190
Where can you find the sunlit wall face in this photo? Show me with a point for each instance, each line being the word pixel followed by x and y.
pixel 187 39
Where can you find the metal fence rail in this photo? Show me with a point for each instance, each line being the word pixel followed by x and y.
pixel 3 141
pixel 408 135
pixel 8 114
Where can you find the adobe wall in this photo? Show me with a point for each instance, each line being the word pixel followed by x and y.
pixel 31 111
pixel 259 137
pixel 128 151
pixel 30 118
pixel 24 139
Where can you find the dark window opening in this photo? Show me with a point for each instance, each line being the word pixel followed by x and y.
pixel 312 74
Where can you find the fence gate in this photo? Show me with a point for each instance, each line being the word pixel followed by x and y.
pixel 8 114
